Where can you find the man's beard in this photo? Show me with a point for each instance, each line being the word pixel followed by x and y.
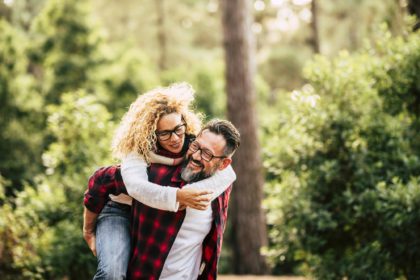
pixel 190 176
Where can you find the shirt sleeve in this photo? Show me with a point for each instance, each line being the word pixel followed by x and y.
pixel 217 183
pixel 134 174
pixel 105 181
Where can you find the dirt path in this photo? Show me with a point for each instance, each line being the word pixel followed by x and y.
pixel 252 277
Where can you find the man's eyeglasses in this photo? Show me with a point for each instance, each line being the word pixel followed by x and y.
pixel 204 153
pixel 165 135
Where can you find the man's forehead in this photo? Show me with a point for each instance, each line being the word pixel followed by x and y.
pixel 210 140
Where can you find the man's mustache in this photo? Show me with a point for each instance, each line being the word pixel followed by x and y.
pixel 190 158
pixel 196 162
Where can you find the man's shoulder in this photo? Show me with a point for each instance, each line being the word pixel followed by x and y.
pixel 106 174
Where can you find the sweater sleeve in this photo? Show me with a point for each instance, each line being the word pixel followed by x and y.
pixel 134 174
pixel 218 183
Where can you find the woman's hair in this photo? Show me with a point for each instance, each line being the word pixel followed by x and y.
pixel 136 132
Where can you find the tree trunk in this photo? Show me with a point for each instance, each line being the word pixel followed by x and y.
pixel 249 232
pixel 161 35
pixel 314 27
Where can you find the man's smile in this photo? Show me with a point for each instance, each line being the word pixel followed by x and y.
pixel 195 164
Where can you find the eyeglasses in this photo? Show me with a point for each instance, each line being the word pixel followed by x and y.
pixel 165 135
pixel 204 153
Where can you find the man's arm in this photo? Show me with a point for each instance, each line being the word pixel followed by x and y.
pixel 217 183
pixel 89 227
pixel 105 181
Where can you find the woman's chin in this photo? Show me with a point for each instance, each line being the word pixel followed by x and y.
pixel 174 150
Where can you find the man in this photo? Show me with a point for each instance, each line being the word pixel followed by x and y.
pixel 184 244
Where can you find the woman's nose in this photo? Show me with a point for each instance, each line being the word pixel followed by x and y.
pixel 174 136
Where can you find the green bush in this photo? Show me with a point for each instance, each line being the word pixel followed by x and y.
pixel 41 226
pixel 343 164
pixel 21 122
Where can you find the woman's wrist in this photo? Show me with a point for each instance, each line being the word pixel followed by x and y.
pixel 179 195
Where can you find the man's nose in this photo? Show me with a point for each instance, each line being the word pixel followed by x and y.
pixel 196 155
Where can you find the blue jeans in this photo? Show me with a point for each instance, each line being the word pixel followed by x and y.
pixel 113 241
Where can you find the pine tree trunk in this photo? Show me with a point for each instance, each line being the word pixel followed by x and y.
pixel 161 35
pixel 314 26
pixel 249 232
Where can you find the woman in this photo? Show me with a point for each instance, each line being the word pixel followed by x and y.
pixel 160 120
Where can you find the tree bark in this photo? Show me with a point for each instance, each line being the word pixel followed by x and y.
pixel 314 27
pixel 249 232
pixel 161 35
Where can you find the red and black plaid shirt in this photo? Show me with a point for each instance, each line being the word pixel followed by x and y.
pixel 153 231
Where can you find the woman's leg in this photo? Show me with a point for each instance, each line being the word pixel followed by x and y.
pixel 113 242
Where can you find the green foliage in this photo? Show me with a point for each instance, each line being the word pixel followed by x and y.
pixel 125 73
pixel 207 82
pixel 67 47
pixel 283 67
pixel 20 121
pixel 42 225
pixel 342 155
pixel 344 164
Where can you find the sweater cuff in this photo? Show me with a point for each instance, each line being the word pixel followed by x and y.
pixel 172 203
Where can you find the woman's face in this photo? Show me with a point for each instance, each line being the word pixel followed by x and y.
pixel 170 132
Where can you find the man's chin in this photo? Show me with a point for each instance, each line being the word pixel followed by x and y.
pixel 190 175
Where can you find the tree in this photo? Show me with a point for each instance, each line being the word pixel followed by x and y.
pixel 161 36
pixel 315 27
pixel 40 228
pixel 343 162
pixel 21 122
pixel 414 9
pixel 68 47
pixel 247 194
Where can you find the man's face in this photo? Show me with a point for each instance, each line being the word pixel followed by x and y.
pixel 195 166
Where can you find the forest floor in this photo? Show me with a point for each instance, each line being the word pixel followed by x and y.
pixel 252 277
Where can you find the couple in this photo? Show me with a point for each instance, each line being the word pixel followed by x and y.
pixel 180 178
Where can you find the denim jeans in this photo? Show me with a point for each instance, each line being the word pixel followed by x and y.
pixel 113 241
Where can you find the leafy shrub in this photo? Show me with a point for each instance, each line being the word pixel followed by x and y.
pixel 41 226
pixel 343 165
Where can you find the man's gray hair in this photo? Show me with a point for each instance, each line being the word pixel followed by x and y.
pixel 228 131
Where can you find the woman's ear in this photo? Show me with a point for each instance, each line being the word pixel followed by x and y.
pixel 225 163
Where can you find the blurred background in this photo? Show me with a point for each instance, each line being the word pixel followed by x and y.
pixel 326 95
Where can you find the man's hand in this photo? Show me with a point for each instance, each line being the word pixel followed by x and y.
pixel 193 198
pixel 90 239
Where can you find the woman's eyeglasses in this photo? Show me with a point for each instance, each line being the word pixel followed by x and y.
pixel 165 135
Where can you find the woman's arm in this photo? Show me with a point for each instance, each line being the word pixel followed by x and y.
pixel 155 158
pixel 217 183
pixel 196 195
pixel 134 174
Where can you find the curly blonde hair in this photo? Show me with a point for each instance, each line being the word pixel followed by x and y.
pixel 136 132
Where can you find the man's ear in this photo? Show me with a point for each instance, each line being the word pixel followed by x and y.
pixel 225 163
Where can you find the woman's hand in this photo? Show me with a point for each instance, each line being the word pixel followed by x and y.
pixel 193 198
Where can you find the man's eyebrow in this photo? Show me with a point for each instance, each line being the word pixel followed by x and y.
pixel 204 148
